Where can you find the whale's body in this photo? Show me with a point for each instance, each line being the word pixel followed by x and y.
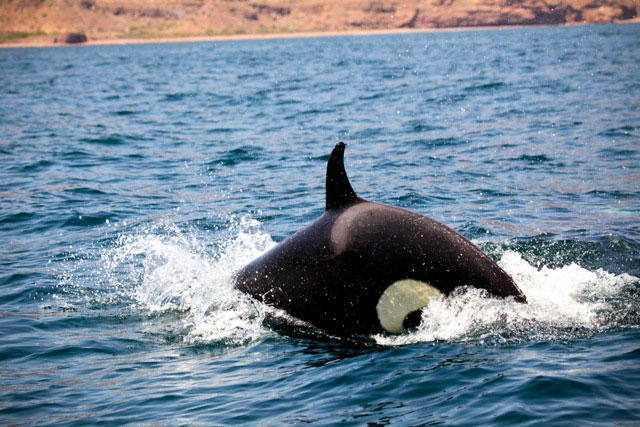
pixel 364 268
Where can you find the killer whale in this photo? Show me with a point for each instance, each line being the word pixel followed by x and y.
pixel 366 268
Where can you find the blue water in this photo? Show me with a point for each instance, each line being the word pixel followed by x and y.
pixel 134 180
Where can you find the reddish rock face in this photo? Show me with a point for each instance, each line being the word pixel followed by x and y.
pixel 169 18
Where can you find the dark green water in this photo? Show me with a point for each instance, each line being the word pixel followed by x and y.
pixel 134 181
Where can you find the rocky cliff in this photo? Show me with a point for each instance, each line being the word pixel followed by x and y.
pixel 101 19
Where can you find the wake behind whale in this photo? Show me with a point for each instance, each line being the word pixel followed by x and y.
pixel 366 268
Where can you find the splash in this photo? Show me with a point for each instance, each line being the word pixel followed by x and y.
pixel 563 303
pixel 168 273
pixel 166 270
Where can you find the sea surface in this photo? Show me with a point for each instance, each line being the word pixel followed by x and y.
pixel 135 180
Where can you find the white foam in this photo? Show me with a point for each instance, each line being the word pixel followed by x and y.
pixel 561 302
pixel 167 270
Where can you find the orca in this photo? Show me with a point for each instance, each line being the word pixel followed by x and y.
pixel 364 268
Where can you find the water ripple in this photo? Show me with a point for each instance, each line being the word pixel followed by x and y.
pixel 125 210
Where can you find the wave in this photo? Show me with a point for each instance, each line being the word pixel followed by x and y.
pixel 164 269
pixel 161 269
pixel 564 303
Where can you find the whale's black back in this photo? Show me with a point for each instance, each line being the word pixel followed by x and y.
pixel 333 272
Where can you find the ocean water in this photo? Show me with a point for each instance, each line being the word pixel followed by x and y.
pixel 134 181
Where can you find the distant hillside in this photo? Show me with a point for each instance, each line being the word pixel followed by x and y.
pixel 106 19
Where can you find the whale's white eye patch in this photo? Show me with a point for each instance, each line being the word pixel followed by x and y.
pixel 400 299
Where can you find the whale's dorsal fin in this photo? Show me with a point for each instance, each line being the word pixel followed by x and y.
pixel 339 192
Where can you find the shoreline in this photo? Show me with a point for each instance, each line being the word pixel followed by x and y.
pixel 39 43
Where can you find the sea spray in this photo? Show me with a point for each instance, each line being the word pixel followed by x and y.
pixel 563 303
pixel 162 268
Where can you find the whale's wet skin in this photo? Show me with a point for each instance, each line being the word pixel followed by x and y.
pixel 136 183
pixel 363 267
